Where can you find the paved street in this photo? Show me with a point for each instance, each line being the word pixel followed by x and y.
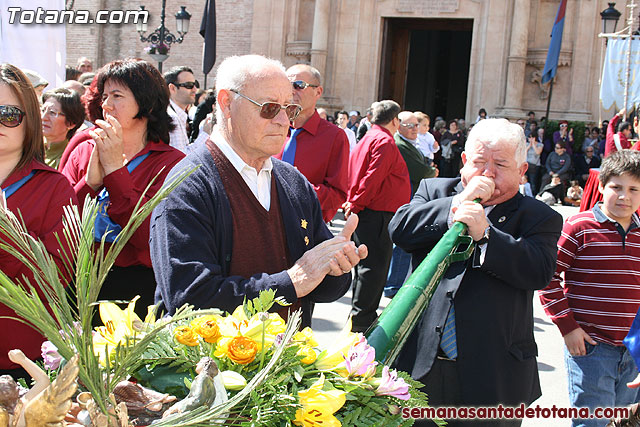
pixel 328 319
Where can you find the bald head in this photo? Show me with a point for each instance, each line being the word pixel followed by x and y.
pixel 314 74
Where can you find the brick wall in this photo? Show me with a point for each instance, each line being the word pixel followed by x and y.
pixel 107 42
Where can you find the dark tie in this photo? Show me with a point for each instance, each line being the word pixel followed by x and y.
pixel 289 153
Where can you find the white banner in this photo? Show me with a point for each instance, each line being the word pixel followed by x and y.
pixel 615 73
pixel 37 46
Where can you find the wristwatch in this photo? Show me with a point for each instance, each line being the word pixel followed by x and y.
pixel 485 236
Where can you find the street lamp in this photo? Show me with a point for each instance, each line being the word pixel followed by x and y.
pixel 610 17
pixel 161 39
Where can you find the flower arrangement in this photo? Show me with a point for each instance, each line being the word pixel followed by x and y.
pixel 157 48
pixel 304 384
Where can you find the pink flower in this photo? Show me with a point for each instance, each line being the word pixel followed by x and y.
pixel 361 359
pixel 50 355
pixel 391 385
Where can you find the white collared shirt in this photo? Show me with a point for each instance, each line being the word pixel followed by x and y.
pixel 259 183
pixel 178 137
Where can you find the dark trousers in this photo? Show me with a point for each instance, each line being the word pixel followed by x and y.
pixel 442 385
pixel 371 273
pixel 124 283
pixel 533 175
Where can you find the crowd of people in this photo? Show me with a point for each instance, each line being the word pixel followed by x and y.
pixel 275 169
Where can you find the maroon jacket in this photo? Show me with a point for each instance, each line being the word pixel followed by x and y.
pixel 128 189
pixel 40 202
pixel 378 175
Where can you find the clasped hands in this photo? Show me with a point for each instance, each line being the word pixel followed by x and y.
pixel 108 152
pixel 335 257
pixel 471 213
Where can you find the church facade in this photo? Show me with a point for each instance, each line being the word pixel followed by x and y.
pixel 444 57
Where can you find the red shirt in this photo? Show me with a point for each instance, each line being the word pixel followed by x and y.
pixel 610 145
pixel 322 156
pixel 75 140
pixel 125 190
pixel 600 291
pixel 378 175
pixel 39 201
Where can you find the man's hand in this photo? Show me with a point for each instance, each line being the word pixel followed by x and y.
pixel 479 187
pixel 335 256
pixel 574 341
pixel 472 214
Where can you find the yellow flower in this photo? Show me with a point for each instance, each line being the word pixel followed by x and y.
pixel 207 327
pixel 306 337
pixel 118 325
pixel 185 335
pixel 277 325
pixel 308 353
pixel 332 358
pixel 241 350
pixel 318 406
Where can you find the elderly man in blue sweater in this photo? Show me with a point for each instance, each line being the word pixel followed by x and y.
pixel 245 222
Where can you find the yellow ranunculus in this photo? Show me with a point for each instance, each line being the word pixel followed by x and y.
pixel 241 350
pixel 185 335
pixel 318 406
pixel 207 327
pixel 305 336
pixel 308 353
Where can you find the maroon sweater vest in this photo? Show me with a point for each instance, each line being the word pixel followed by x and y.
pixel 259 243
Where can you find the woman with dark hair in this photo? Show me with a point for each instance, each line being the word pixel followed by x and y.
pixel 32 190
pixel 128 149
pixel 62 116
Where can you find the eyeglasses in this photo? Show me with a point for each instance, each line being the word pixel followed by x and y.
pixel 563 126
pixel 51 113
pixel 268 110
pixel 559 148
pixel 301 84
pixel 409 125
pixel 188 85
pixel 11 116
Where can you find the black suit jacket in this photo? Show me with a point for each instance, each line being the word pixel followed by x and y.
pixel 493 301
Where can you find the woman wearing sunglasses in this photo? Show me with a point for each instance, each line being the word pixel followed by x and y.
pixel 62 116
pixel 32 190
pixel 128 149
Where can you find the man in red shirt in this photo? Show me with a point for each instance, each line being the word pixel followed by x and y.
pixel 378 185
pixel 317 148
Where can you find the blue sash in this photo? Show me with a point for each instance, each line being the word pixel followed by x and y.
pixel 632 340
pixel 14 187
pixel 103 223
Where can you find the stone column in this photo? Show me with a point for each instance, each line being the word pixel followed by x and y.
pixel 517 59
pixel 320 36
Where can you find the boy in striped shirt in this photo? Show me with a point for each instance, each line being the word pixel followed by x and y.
pixel 599 254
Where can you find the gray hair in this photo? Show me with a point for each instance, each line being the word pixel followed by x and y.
pixel 494 131
pixel 235 71
pixel 383 112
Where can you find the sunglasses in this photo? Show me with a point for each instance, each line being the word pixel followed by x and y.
pixel 301 84
pixel 11 116
pixel 188 85
pixel 268 110
pixel 409 125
